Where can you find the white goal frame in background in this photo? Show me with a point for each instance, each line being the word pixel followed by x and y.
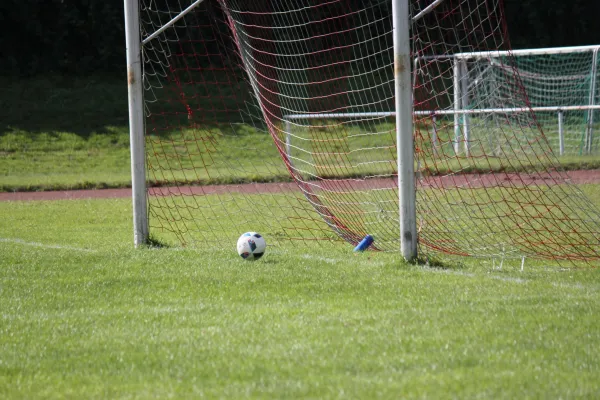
pixel 461 100
pixel 460 109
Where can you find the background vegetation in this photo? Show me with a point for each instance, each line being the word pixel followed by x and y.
pixel 63 104
pixel 82 37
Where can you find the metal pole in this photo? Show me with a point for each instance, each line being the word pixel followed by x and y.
pixel 464 82
pixel 404 130
pixel 434 135
pixel 471 111
pixel 427 10
pixel 288 141
pixel 172 22
pixel 590 127
pixel 561 134
pixel 136 122
pixel 457 104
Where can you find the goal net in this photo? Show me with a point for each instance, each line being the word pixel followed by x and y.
pixel 561 86
pixel 279 117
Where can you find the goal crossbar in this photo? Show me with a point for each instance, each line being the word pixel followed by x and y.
pixel 442 112
pixel 172 22
pixel 506 53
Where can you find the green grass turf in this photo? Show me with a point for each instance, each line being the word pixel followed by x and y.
pixel 86 316
pixel 64 160
pixel 71 133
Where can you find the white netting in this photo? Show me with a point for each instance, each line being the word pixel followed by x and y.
pixel 556 81
pixel 316 81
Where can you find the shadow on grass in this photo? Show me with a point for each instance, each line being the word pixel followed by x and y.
pixel 435 262
pixel 155 243
pixel 86 105
pixel 81 105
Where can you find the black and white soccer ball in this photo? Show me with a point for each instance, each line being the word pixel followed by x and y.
pixel 251 246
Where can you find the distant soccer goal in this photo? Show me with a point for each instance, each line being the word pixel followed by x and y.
pixel 561 86
pixel 315 122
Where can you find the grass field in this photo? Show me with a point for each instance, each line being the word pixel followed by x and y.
pixel 86 316
pixel 50 139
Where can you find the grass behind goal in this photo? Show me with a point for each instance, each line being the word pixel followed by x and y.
pixel 72 134
pixel 85 315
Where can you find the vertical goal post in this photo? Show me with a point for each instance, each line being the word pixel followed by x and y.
pixel 136 122
pixel 404 130
pixel 409 121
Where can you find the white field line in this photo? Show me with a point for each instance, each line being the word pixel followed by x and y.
pixel 435 270
pixel 326 260
pixel 45 246
pixel 508 279
pixel 577 286
pixel 473 275
pixel 333 261
pixel 104 312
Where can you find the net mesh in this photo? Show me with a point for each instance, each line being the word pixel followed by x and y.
pixel 559 85
pixel 301 94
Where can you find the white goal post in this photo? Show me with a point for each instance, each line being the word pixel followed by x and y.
pixel 136 122
pixel 404 108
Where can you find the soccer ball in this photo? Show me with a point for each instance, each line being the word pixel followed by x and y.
pixel 251 246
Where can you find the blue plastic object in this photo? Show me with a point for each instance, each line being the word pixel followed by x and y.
pixel 365 243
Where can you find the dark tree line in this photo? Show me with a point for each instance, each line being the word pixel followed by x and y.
pixel 87 36
pixel 553 23
pixel 63 36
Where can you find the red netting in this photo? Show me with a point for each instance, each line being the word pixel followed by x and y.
pixel 258 91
